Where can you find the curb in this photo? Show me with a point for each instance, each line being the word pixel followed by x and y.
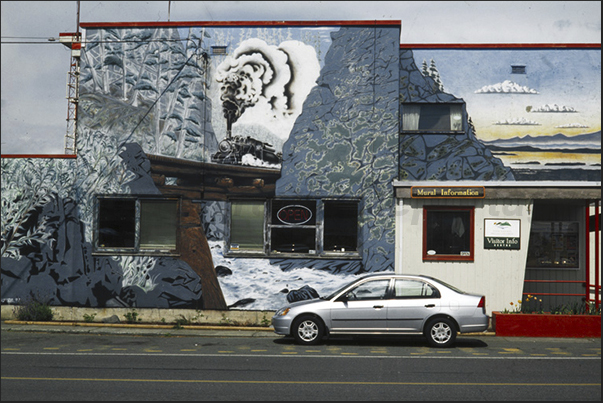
pixel 139 326
pixel 221 330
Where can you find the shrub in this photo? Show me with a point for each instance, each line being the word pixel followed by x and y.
pixel 34 309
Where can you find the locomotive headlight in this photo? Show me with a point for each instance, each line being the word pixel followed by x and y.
pixel 225 146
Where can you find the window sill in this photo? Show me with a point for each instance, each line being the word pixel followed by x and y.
pixel 448 258
pixel 456 132
pixel 135 253
pixel 282 255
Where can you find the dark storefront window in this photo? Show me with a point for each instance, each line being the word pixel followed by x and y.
pixel 448 233
pixel 116 223
pixel 295 227
pixel 341 226
pixel 136 225
pixel 554 236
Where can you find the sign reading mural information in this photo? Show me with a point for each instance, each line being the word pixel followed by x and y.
pixel 501 234
pixel 447 192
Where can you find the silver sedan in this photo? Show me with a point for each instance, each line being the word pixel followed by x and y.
pixel 386 304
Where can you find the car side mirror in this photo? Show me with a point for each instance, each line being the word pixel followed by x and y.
pixel 342 298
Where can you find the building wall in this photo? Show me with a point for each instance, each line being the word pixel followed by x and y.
pixel 497 273
pixel 530 114
pixel 324 97
pixel 330 100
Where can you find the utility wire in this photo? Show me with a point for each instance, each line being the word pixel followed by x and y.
pixel 55 41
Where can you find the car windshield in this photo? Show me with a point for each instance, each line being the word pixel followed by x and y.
pixel 333 294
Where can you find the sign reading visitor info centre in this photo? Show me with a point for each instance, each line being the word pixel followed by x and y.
pixel 501 233
pixel 447 192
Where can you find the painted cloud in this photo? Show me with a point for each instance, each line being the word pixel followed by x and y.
pixel 518 122
pixel 506 87
pixel 552 108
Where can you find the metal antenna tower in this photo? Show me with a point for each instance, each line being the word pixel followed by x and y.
pixel 73 40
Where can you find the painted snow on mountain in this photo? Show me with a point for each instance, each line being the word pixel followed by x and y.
pixel 264 286
pixel 552 108
pixel 558 142
pixel 506 87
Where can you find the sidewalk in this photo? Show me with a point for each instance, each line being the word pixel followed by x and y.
pixel 137 329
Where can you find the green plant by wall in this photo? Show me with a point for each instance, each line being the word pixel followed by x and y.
pixel 182 321
pixel 34 309
pixel 89 318
pixel 132 317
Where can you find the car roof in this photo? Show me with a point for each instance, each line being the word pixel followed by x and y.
pixel 389 274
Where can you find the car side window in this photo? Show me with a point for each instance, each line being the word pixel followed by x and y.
pixel 414 289
pixel 376 289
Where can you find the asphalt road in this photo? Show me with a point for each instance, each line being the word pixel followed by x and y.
pixel 41 365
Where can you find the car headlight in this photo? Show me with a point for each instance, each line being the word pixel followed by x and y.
pixel 282 312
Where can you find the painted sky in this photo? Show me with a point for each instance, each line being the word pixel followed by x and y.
pixel 34 69
pixel 558 91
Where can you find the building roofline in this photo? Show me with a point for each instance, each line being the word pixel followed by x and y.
pixel 499 45
pixel 501 184
pixel 16 156
pixel 319 23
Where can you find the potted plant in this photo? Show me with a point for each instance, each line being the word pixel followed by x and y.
pixel 564 321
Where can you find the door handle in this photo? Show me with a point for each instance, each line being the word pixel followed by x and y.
pixel 377 306
pixel 430 306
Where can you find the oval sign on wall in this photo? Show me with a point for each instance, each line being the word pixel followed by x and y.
pixel 294 215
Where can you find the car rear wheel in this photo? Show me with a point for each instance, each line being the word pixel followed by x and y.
pixel 308 330
pixel 441 332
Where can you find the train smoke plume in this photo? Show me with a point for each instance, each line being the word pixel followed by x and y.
pixel 272 80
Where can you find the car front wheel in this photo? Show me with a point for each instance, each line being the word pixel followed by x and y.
pixel 441 332
pixel 308 330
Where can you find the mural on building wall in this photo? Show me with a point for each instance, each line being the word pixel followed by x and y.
pixel 314 112
pixel 320 101
pixel 440 156
pixel 537 109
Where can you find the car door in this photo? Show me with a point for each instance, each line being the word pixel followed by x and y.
pixel 361 309
pixel 412 302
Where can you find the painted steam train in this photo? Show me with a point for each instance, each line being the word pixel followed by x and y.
pixel 232 149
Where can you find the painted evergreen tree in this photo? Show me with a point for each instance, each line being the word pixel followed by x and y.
pixel 435 74
pixel 425 69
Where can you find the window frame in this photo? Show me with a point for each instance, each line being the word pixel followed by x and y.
pixel 449 257
pixel 562 216
pixel 230 244
pixel 316 224
pixel 137 248
pixel 436 295
pixel 450 130
pixel 561 235
pixel 276 224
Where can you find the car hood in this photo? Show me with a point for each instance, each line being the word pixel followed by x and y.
pixel 306 302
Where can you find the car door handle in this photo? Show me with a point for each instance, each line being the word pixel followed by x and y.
pixel 377 306
pixel 430 306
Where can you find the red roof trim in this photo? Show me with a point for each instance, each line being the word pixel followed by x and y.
pixel 66 156
pixel 499 45
pixel 238 23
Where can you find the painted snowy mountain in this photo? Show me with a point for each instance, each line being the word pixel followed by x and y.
pixel 590 142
